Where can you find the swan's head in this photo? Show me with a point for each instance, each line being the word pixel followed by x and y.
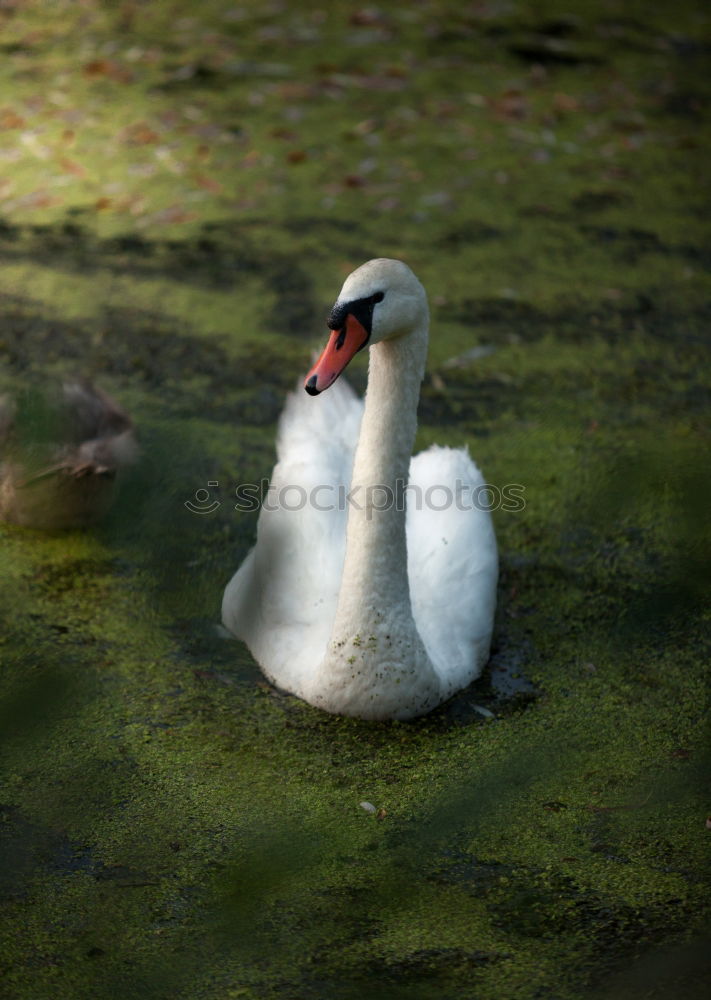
pixel 380 300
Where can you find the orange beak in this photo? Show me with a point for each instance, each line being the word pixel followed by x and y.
pixel 342 345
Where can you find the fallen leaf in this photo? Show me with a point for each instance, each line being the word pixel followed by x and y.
pixel 366 17
pixel 72 167
pixel 251 159
pixel 41 199
pixel 108 68
pixel 365 127
pixel 287 134
pixel 292 93
pixel 564 102
pixel 512 104
pixel 8 119
pixel 203 181
pixel 139 134
pixel 172 215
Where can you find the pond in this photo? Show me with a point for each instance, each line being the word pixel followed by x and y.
pixel 183 189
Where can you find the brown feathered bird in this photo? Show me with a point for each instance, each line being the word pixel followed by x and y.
pixel 60 454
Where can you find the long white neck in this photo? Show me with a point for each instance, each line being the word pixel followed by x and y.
pixel 376 665
pixel 375 569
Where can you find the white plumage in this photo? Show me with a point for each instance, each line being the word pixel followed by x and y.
pixel 364 611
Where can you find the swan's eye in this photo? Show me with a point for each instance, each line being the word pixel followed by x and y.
pixel 378 297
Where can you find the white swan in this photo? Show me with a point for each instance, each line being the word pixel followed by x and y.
pixel 363 609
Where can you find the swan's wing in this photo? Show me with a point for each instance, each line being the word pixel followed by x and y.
pixel 319 426
pixel 282 600
pixel 452 563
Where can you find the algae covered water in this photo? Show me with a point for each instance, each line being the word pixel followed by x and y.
pixel 182 190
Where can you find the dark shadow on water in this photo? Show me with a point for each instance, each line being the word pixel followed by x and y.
pixel 498 319
pixel 167 359
pixel 681 971
pixel 666 583
pixel 410 855
pixel 220 256
pixel 502 689
pixel 189 556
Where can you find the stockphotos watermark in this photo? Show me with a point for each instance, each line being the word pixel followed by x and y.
pixel 328 497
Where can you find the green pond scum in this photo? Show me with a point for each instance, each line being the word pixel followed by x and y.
pixel 183 188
